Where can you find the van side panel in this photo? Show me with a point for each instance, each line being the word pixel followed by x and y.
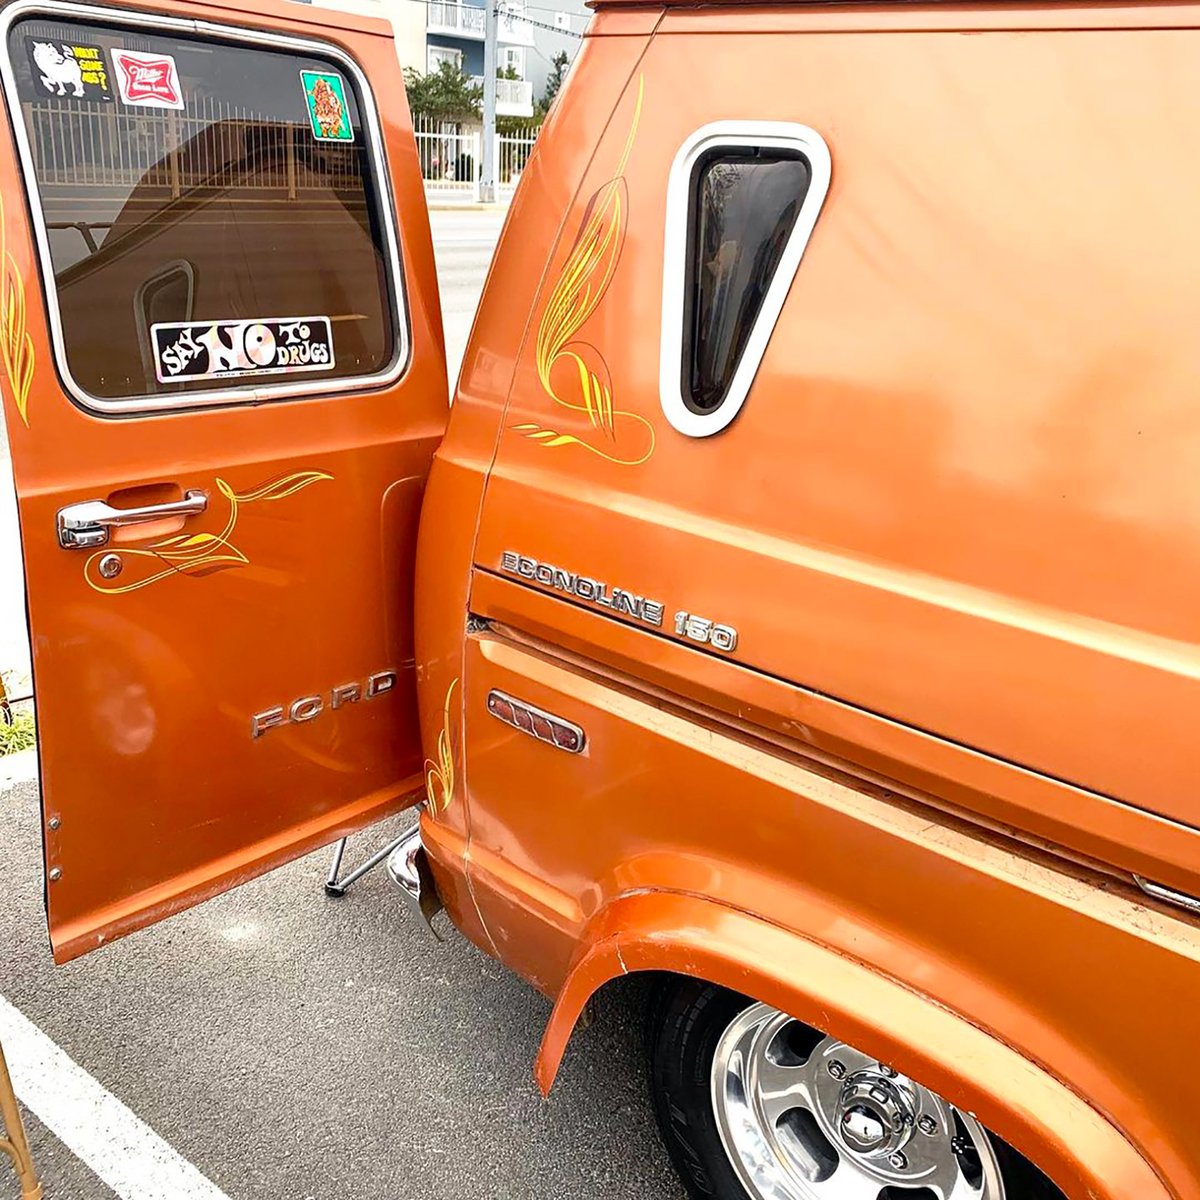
pixel 961 491
pixel 952 524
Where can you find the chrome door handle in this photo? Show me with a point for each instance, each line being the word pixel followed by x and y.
pixel 85 525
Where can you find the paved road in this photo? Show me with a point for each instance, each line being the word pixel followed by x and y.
pixel 293 1047
pixel 462 243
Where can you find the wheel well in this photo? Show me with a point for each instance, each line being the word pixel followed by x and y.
pixel 659 936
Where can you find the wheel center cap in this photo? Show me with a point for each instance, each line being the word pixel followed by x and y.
pixel 863 1129
pixel 874 1117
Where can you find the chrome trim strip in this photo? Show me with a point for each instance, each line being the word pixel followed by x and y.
pixel 784 135
pixel 1168 895
pixel 559 733
pixel 227 397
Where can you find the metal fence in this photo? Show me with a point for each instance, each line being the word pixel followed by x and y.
pixel 220 145
pixel 216 144
pixel 512 153
pixel 451 159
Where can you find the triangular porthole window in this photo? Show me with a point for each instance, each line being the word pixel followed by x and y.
pixel 742 202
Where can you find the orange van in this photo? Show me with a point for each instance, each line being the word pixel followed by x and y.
pixel 798 603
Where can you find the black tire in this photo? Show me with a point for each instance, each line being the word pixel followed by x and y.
pixel 684 1022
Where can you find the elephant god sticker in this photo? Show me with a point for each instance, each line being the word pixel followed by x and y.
pixel 328 112
pixel 184 353
pixel 73 70
pixel 147 80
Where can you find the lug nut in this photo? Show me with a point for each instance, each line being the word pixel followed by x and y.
pixel 887 1071
pixel 897 1159
pixel 836 1069
pixel 927 1125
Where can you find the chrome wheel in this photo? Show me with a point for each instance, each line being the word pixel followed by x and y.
pixel 805 1117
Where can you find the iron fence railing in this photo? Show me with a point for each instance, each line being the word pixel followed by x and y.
pixel 214 144
pixel 451 158
pixel 223 146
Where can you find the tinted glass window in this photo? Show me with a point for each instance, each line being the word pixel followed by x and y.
pixel 212 215
pixel 743 206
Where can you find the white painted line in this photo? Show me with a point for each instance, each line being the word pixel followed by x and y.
pixel 92 1123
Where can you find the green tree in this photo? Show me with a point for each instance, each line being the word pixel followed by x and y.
pixel 554 81
pixel 446 94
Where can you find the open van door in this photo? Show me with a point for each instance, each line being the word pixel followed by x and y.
pixel 223 378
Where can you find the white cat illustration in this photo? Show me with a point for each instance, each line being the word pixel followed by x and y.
pixel 58 70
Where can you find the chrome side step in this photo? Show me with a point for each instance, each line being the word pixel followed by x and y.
pixel 409 870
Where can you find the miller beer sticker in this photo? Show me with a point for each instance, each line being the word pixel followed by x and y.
pixel 147 80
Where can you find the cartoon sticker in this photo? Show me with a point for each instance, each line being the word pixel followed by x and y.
pixel 223 349
pixel 325 95
pixel 147 80
pixel 72 69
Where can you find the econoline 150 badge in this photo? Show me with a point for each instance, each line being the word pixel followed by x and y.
pixel 195 350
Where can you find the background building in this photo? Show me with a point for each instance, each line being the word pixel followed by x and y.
pixel 454 34
pixel 430 32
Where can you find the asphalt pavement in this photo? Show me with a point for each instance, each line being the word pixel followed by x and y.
pixel 462 244
pixel 275 1043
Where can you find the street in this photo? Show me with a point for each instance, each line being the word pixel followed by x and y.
pixel 462 244
pixel 276 1043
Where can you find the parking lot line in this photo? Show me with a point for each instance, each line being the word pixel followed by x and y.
pixel 116 1144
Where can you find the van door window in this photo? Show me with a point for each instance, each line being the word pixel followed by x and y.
pixel 213 225
pixel 740 209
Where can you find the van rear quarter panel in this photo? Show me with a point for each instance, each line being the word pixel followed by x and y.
pixel 958 503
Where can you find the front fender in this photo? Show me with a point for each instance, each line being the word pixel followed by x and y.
pixel 1018 1099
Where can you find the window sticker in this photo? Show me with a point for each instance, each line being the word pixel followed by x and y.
pixel 328 112
pixel 147 80
pixel 71 69
pixel 225 349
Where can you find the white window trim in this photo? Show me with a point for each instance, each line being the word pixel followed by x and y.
pixel 782 135
pixel 508 54
pixel 435 55
pixel 333 385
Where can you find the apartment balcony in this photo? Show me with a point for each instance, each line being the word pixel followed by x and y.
pixel 514 97
pixel 458 20
pixel 466 21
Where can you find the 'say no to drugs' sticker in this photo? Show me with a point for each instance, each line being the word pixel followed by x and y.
pixel 185 352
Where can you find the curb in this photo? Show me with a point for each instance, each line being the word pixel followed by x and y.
pixel 473 208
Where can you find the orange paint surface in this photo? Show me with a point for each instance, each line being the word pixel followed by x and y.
pixel 953 525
